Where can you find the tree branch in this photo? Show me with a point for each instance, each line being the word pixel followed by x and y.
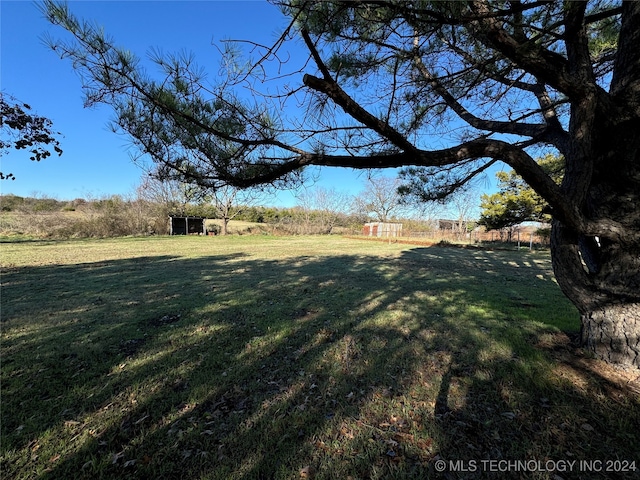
pixel 550 67
pixel 577 43
pixel 524 129
pixel 329 87
pixel 626 73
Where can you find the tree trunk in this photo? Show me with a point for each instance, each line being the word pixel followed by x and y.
pixel 225 224
pixel 599 271
pixel 612 333
pixel 607 295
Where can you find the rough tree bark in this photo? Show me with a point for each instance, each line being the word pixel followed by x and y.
pixel 598 268
pixel 597 260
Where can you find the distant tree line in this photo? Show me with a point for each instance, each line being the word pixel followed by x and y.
pixel 15 203
pixel 145 211
pixel 318 210
pixel 118 216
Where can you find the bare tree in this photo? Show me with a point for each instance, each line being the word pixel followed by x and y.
pixel 427 213
pixel 381 198
pixel 229 202
pixel 322 207
pixel 164 198
pixel 463 203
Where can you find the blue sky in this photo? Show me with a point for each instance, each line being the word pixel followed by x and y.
pixel 96 162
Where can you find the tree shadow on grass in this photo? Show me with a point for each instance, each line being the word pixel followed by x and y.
pixel 325 367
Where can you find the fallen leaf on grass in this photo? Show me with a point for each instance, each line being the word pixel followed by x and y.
pixel 306 472
pixel 347 433
pixel 403 437
pixel 321 445
pixel 425 444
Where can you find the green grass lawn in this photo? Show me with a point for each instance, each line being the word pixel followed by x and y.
pixel 256 357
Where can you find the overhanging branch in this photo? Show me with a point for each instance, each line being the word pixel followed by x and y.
pixel 329 87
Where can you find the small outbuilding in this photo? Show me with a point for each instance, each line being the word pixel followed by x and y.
pixel 453 225
pixel 382 229
pixel 180 225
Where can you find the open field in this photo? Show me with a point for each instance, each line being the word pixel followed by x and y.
pixel 256 357
pixel 242 227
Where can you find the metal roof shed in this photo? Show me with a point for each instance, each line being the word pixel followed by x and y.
pixel 180 225
pixel 382 229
